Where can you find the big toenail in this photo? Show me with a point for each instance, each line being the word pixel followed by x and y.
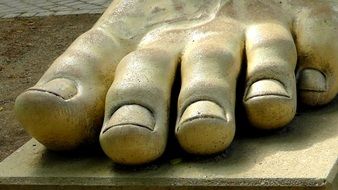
pixel 202 110
pixel 131 115
pixel 312 80
pixel 63 88
pixel 266 87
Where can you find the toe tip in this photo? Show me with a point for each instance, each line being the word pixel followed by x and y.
pixel 131 144
pixel 44 117
pixel 205 135
pixel 312 80
pixel 269 105
pixel 270 112
pixel 204 128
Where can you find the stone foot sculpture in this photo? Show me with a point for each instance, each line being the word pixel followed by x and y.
pixel 123 70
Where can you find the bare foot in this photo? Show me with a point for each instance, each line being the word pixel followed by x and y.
pixel 128 61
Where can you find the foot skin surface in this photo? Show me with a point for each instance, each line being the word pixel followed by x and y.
pixel 117 77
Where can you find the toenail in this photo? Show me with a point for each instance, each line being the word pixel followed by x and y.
pixel 202 110
pixel 63 88
pixel 134 115
pixel 312 80
pixel 266 87
pixel 204 129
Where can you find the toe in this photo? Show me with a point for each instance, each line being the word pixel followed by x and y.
pixel 205 123
pixel 137 107
pixel 63 88
pixel 204 129
pixel 130 132
pixel 312 80
pixel 66 107
pixel 44 111
pixel 317 64
pixel 266 87
pixel 313 87
pixel 133 115
pixel 270 95
pixel 268 104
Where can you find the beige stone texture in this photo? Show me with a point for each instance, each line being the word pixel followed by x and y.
pixel 115 82
pixel 302 156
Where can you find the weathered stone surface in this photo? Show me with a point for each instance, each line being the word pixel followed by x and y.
pixel 303 156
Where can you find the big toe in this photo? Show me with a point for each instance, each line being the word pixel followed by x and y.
pixel 50 113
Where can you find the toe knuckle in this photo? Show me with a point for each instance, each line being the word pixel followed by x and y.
pixel 147 56
pixel 211 52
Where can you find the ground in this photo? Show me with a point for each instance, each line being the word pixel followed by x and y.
pixel 28 47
